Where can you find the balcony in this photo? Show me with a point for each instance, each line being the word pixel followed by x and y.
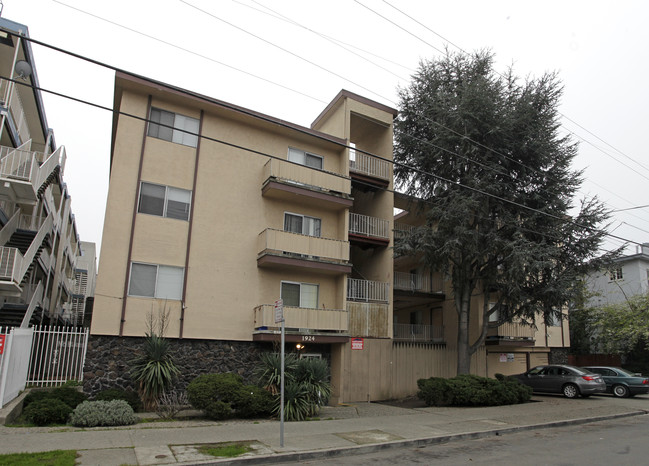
pixel 285 180
pixel 511 333
pixel 302 324
pixel 283 249
pixel 418 283
pixel 24 174
pixel 16 116
pixel 367 291
pixel 370 172
pixel 419 333
pixel 366 231
pixel 417 289
pixel 402 229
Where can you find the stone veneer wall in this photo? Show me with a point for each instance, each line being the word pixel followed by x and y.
pixel 107 360
pixel 558 356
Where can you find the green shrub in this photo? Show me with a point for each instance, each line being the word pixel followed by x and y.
pixel 47 411
pixel 103 413
pixel 472 390
pixel 435 391
pixel 221 396
pixel 68 395
pixel 132 398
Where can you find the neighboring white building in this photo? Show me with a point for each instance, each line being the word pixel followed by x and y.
pixel 85 279
pixel 627 276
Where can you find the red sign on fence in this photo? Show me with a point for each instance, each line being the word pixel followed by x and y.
pixel 2 344
pixel 357 343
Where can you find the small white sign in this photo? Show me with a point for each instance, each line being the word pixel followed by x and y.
pixel 279 311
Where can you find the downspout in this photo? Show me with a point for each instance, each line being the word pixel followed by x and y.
pixel 127 275
pixel 191 222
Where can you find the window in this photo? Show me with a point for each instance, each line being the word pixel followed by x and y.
pixel 302 224
pixel 494 316
pixel 156 281
pixel 300 295
pixel 556 319
pixel 164 201
pixel 305 158
pixel 172 127
pixel 616 274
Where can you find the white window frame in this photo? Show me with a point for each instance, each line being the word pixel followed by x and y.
pixel 616 274
pixel 157 293
pixel 301 304
pixel 185 129
pixel 303 223
pixel 304 155
pixel 165 201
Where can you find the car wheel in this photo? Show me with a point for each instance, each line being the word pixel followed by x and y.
pixel 570 391
pixel 620 391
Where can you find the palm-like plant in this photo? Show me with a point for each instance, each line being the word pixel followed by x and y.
pixel 155 370
pixel 313 374
pixel 269 373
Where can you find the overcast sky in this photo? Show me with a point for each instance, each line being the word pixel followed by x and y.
pixel 246 54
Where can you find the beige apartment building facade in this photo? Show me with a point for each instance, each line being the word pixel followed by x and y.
pixel 215 212
pixel 39 243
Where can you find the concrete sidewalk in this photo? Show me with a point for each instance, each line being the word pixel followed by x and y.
pixel 341 430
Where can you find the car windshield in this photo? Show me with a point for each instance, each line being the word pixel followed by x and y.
pixel 624 372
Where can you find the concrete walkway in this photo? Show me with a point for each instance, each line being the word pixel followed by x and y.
pixel 341 430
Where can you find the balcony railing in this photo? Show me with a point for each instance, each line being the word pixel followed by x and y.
pixel 369 319
pixel 369 226
pixel 16 109
pixel 22 164
pixel 368 165
pixel 423 283
pixel 368 291
pixel 318 320
pixel 419 333
pixel 402 229
pixel 511 330
pixel 281 242
pixel 307 177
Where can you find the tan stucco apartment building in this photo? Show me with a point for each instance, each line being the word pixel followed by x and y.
pixel 215 212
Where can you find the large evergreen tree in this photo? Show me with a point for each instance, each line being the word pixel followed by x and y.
pixel 483 154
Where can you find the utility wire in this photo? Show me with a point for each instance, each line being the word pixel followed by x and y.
pixel 561 114
pixel 271 156
pixel 386 98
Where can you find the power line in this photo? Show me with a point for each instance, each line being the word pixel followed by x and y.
pixel 341 77
pixel 279 123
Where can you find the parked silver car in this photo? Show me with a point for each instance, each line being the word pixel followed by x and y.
pixel 569 380
pixel 621 382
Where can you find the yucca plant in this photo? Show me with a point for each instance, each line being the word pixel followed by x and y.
pixel 297 404
pixel 154 371
pixel 313 374
pixel 270 371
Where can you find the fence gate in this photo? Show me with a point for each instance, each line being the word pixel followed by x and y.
pixel 57 355
pixel 14 360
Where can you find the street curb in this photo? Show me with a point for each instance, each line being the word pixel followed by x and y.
pixel 365 449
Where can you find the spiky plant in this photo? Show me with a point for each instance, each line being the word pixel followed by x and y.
pixel 313 374
pixel 269 372
pixel 154 371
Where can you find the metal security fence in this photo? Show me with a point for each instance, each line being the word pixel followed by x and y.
pixel 57 355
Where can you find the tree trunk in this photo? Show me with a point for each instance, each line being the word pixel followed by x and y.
pixel 463 305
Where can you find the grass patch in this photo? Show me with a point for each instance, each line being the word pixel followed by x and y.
pixel 48 458
pixel 227 450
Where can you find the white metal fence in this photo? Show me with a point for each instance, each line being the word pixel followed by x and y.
pixel 14 361
pixel 57 355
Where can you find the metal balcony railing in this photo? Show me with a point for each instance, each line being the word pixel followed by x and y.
pixel 368 165
pixel 419 333
pixel 368 291
pixel 369 226
pixel 420 282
